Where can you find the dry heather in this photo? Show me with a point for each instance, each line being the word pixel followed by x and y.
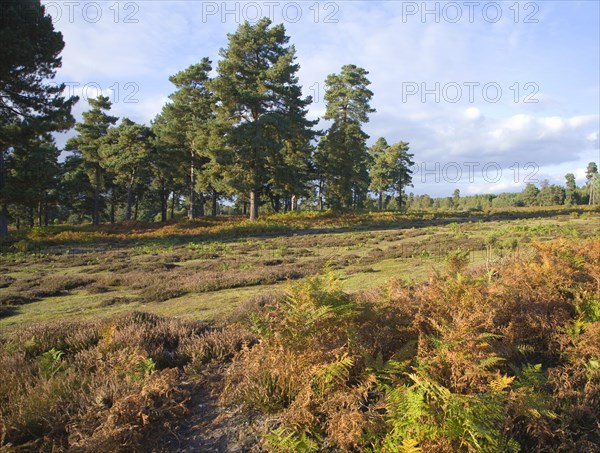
pixel 116 385
pixel 496 359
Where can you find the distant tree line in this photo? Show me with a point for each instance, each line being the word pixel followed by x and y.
pixel 545 195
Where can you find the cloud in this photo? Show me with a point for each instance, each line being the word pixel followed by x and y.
pixel 556 132
pixel 473 113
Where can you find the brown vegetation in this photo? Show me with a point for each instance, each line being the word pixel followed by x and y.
pixel 503 358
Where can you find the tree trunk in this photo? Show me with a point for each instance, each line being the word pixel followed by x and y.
pixel 112 209
pixel 137 204
pixel 200 205
pixel 321 194
pixel 39 213
pixel 163 202
pixel 3 208
pixel 192 188
pixel 381 201
pixel 277 204
pixel 96 216
pixel 215 200
pixel 254 204
pixel 244 208
pixel 294 203
pixel 3 222
pixel 174 196
pixel 129 198
pixel 399 196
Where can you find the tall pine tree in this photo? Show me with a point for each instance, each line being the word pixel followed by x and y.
pixel 390 169
pixel 342 156
pixel 183 125
pixel 261 111
pixel 126 153
pixel 29 58
pixel 91 137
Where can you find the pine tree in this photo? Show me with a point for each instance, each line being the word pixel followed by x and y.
pixel 29 59
pixel 550 194
pixel 261 111
pixel 183 125
pixel 530 195
pixel 342 156
pixel 165 171
pixel 591 176
pixel 401 174
pixel 571 189
pixel 379 172
pixel 126 153
pixel 390 169
pixel 456 198
pixel 76 193
pixel 33 173
pixel 91 137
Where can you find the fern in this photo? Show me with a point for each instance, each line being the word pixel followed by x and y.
pixel 591 309
pixel 530 382
pixel 427 410
pixel 490 362
pixel 501 383
pixel 531 376
pixel 314 305
pixel 144 368
pixel 259 325
pixel 388 372
pixel 284 440
pixel 51 362
pixel 329 375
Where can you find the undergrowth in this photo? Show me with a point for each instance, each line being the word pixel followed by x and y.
pixel 497 359
pixel 490 361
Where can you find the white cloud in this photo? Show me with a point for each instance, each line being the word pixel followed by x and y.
pixel 473 113
pixel 558 130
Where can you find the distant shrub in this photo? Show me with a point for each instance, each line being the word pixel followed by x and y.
pixel 6 281
pixel 457 261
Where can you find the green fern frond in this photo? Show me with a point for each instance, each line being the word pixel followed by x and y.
pixel 331 374
pixel 284 440
pixel 490 362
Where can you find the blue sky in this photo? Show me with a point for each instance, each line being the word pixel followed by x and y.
pixel 512 89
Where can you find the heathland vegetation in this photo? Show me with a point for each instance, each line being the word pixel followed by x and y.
pixel 413 332
pixel 351 316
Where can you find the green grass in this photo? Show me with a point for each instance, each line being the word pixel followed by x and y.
pixel 203 270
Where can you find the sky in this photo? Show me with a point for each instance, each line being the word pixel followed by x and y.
pixel 490 95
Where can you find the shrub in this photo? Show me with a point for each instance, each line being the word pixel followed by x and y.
pixel 6 281
pixel 474 362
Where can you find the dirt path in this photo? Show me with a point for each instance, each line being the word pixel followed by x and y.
pixel 210 428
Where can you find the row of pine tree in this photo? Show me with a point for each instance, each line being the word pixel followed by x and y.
pixel 224 143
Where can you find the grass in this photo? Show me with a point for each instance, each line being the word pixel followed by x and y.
pixel 184 270
pixel 428 333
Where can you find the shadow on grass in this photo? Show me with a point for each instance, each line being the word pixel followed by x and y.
pixel 89 239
